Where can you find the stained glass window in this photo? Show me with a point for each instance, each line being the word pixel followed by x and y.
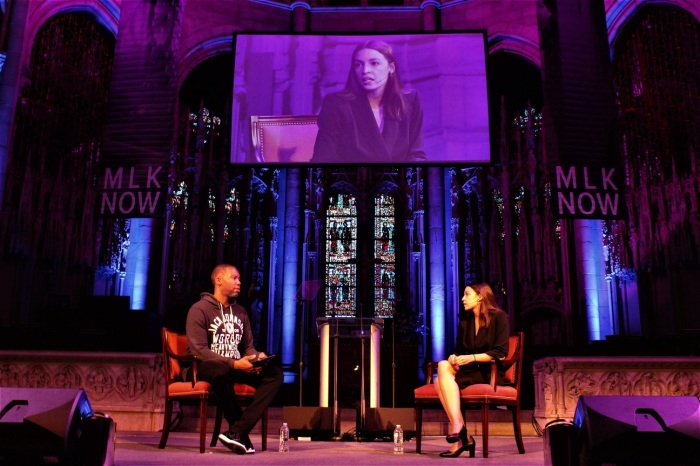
pixel 341 257
pixel 232 206
pixel 180 203
pixel 384 257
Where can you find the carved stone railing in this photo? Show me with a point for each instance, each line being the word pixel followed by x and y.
pixel 559 381
pixel 127 386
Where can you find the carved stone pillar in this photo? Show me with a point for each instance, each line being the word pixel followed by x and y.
pixel 437 266
pixel 290 258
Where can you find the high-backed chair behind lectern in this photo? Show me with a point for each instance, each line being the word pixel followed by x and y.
pixel 282 139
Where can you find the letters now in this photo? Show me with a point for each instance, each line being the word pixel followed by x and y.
pixel 587 203
pixel 126 202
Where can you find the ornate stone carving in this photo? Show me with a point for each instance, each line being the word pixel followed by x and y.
pixel 99 383
pixel 159 382
pixel 648 384
pixel 549 386
pixel 559 381
pixel 37 376
pixel 683 384
pixel 127 386
pixel 615 383
pixel 581 383
pixel 67 377
pixel 131 383
pixel 9 376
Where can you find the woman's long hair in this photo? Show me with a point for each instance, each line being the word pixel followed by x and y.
pixel 393 99
pixel 488 305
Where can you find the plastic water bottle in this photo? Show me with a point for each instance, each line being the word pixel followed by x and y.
pixel 284 437
pixel 398 440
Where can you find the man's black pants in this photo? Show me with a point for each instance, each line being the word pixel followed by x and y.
pixel 221 377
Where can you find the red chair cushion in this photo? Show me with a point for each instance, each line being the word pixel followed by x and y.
pixel 243 390
pixel 425 392
pixel 480 391
pixel 186 388
pixel 483 391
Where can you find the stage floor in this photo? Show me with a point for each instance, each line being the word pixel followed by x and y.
pixel 141 449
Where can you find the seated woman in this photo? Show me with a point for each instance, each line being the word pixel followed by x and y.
pixel 482 336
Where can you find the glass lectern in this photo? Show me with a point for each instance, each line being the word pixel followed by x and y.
pixel 349 327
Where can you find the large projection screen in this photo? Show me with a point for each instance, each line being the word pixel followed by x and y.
pixel 280 82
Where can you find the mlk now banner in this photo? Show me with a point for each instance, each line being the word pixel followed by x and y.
pixel 589 192
pixel 133 191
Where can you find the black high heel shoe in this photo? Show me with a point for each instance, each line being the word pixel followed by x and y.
pixel 452 454
pixel 461 435
pixel 469 445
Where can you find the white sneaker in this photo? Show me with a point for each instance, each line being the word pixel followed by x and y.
pixel 233 441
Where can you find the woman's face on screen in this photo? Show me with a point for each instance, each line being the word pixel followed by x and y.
pixel 372 70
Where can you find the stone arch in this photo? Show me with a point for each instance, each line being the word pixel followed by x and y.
pixel 209 82
pixel 201 53
pixel 105 14
pixel 514 82
pixel 620 14
pixel 526 49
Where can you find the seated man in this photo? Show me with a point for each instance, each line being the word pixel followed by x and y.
pixel 219 333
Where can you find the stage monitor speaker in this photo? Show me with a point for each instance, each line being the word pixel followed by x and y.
pixel 381 422
pixel 308 421
pixel 41 425
pixel 638 430
pixel 561 443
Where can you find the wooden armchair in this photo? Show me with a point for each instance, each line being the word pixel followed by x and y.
pixel 483 395
pixel 174 353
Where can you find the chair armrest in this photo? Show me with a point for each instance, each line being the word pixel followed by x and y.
pixel 195 367
pixel 494 374
pixel 506 363
pixel 431 369
pixel 186 358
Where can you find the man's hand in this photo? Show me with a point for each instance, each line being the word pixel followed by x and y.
pixel 244 364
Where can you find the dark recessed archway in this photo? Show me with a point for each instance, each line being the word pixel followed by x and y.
pixel 518 83
pixel 210 84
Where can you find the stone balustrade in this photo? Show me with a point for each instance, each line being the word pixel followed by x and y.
pixel 130 386
pixel 559 381
pixel 127 386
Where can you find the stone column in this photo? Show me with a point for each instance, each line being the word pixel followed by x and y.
pixel 431 15
pixel 436 266
pixel 291 269
pixel 300 15
pixel 9 84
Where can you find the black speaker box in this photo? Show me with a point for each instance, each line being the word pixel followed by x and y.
pixel 97 442
pixel 381 422
pixel 639 430
pixel 308 421
pixel 42 426
pixel 561 443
